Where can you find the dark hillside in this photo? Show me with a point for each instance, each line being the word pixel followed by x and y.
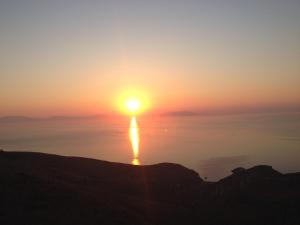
pixel 39 189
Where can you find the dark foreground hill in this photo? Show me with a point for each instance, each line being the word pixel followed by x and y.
pixel 40 189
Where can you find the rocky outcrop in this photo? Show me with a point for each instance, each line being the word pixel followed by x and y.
pixel 242 179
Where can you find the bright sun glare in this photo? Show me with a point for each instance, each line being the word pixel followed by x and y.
pixel 133 105
pixel 133 102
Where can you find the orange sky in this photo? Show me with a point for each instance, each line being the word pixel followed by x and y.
pixel 57 59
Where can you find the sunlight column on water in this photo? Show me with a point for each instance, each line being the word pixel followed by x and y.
pixel 134 137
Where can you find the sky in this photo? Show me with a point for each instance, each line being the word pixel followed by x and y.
pixel 78 57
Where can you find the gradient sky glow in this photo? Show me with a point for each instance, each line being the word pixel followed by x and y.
pixel 77 57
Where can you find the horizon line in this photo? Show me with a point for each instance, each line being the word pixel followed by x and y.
pixel 174 113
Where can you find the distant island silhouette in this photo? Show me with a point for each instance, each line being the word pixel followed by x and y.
pixel 42 189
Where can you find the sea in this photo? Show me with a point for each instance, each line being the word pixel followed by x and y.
pixel 212 145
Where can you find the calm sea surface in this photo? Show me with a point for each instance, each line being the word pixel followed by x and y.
pixel 211 145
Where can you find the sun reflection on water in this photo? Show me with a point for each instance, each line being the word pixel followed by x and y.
pixel 136 162
pixel 134 137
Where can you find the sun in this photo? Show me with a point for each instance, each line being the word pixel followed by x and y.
pixel 133 102
pixel 133 105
